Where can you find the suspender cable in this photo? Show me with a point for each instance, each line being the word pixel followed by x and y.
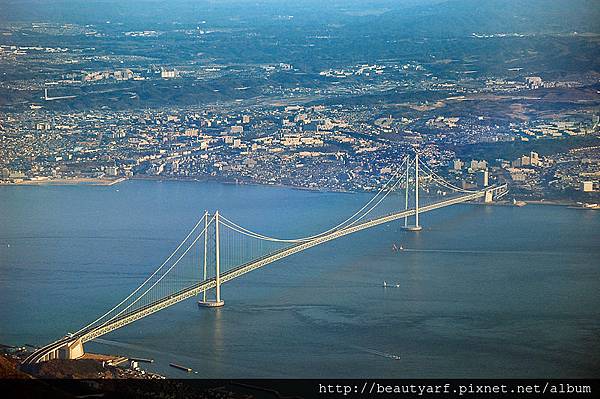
pixel 148 279
pixel 157 281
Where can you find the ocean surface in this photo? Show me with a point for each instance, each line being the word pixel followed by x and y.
pixel 483 291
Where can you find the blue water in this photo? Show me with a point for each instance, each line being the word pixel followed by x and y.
pixel 485 291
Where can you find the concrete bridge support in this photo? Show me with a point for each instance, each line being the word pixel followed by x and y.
pixel 71 350
pixel 489 196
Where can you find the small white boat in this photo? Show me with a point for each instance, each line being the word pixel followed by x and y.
pixel 384 284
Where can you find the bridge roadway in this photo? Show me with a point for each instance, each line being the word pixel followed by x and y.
pixel 51 350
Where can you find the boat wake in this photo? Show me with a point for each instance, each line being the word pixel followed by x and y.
pixel 377 353
pixel 488 252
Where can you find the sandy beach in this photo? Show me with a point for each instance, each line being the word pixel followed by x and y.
pixel 66 182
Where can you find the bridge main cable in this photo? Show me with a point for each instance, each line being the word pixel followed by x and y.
pixel 242 230
pixel 443 181
pixel 202 219
pixel 124 319
pixel 230 224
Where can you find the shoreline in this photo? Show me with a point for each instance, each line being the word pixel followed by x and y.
pixel 75 181
pixel 241 183
pixel 90 365
pixel 85 181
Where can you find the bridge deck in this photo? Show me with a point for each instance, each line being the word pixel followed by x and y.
pixel 198 288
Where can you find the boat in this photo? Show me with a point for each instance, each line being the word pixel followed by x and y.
pixel 519 203
pixel 384 284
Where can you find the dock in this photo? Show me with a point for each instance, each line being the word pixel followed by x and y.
pixel 177 366
pixel 141 359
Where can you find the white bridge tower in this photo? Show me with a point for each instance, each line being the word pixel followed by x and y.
pixel 416 226
pixel 218 302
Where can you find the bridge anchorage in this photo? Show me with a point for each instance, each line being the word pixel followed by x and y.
pixel 218 250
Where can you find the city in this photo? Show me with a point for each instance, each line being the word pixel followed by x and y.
pixel 318 147
pixel 420 129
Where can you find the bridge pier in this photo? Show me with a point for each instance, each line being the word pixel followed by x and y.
pixel 211 304
pixel 489 197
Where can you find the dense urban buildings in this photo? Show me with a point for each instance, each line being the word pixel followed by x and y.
pixel 95 103
pixel 376 155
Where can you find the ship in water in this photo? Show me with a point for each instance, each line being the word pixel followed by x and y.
pixel 397 248
pixel 519 203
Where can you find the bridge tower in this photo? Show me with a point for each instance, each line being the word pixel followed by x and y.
pixel 218 302
pixel 406 177
pixel 205 254
pixel 416 226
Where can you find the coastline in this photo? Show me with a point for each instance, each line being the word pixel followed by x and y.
pixel 90 365
pixel 563 203
pixel 89 181
pixel 243 183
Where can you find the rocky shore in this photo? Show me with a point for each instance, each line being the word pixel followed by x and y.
pixel 90 366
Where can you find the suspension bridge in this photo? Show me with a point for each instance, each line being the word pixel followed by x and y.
pixel 218 250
